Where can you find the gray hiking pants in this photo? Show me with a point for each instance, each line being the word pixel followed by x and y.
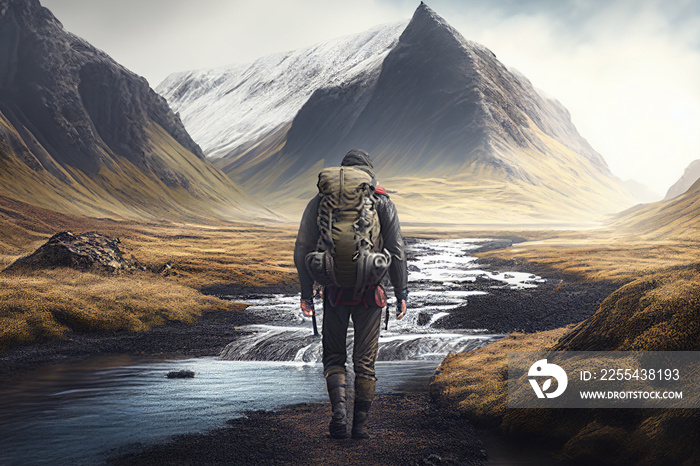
pixel 366 322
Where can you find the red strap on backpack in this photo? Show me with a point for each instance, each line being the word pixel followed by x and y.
pixel 374 296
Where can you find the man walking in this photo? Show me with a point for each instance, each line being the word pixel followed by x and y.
pixel 349 239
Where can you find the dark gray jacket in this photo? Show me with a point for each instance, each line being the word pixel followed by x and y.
pixel 308 235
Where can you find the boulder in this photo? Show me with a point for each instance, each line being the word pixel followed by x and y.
pixel 86 251
pixel 181 374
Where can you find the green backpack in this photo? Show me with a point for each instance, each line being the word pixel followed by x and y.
pixel 349 252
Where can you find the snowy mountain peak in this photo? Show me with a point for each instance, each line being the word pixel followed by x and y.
pixel 225 108
pixel 426 103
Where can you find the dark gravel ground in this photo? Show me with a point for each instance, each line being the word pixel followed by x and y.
pixel 406 429
pixel 551 305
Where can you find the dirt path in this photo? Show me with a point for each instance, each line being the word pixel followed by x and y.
pixel 405 429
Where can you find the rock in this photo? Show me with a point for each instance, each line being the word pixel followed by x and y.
pixel 493 245
pixel 413 268
pixel 423 318
pixel 86 251
pixel 482 278
pixel 181 374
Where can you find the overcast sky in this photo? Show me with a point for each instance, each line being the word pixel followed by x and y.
pixel 627 70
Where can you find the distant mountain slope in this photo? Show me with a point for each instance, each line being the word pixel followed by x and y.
pixel 673 218
pixel 81 134
pixel 455 135
pixel 690 176
pixel 641 192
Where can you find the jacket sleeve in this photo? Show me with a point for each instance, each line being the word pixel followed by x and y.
pixel 393 242
pixel 307 239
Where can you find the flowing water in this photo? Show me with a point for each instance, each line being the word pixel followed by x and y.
pixel 82 413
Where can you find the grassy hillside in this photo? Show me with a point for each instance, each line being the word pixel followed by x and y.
pixel 177 262
pixel 82 135
pixel 676 218
pixel 558 188
pixel 121 190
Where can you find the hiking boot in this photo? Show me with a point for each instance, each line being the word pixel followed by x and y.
pixel 364 394
pixel 335 383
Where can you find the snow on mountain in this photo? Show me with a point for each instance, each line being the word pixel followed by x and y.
pixel 225 108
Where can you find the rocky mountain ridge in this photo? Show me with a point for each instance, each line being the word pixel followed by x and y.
pixel 453 133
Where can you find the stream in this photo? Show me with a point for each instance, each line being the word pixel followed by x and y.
pixel 82 413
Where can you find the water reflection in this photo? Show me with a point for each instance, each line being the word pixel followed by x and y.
pixel 74 414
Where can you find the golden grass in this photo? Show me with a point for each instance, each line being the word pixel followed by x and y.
pixel 202 256
pixel 48 303
pixel 476 383
pixel 660 312
pixel 599 255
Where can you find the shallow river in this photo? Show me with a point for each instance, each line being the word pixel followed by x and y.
pixel 83 413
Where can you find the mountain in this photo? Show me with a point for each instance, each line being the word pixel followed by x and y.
pixel 690 176
pixel 455 136
pixel 675 218
pixel 81 134
pixel 227 108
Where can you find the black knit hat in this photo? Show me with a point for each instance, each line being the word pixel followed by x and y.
pixel 357 157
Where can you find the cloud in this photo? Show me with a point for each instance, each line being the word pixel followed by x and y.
pixel 159 37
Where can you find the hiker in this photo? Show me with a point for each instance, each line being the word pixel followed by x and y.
pixel 349 239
